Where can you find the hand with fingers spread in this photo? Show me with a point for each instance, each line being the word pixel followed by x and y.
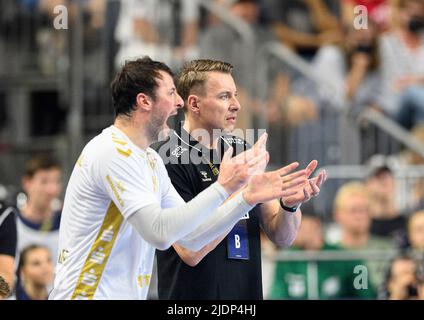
pixel 269 185
pixel 301 191
pixel 258 149
pixel 235 171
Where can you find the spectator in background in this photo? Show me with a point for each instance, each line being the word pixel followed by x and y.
pixel 334 279
pixel 165 30
pixel 386 220
pixel 411 111
pixel 304 25
pixel 379 12
pixel 351 68
pixel 39 218
pixel 402 65
pixel 7 247
pixel 401 281
pixel 35 272
pixel 416 231
pixel 352 213
pixel 415 197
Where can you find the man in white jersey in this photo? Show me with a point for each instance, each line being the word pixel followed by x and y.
pixel 120 204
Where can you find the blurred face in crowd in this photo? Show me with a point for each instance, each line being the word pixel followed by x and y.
pixel 43 187
pixel 38 267
pixel 411 16
pixel 402 276
pixel 353 214
pixel 248 11
pixel 310 235
pixel 381 189
pixel 218 106
pixel 416 231
pixel 382 185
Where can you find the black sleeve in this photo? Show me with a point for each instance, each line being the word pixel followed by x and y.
pixel 8 237
pixel 180 179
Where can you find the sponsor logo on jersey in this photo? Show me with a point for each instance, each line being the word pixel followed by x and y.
pixel 63 256
pixel 235 140
pixel 178 151
pixel 205 176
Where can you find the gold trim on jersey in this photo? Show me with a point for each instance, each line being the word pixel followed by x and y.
pixel 98 256
pixel 119 141
pixel 153 165
pixel 143 280
pixel 125 153
pixel 80 160
pixel 116 140
pixel 115 192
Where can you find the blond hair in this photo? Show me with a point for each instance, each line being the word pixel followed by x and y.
pixel 348 190
pixel 194 74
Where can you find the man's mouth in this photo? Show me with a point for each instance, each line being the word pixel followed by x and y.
pixel 232 119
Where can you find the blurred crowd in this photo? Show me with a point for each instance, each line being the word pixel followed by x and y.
pixel 368 54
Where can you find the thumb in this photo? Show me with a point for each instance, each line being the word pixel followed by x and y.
pixel 261 143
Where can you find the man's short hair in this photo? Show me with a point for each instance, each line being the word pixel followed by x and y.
pixel 40 162
pixel 193 76
pixel 136 76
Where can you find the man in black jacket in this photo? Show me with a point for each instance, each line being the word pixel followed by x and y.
pixel 230 266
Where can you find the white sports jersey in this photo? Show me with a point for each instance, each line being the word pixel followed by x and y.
pixel 101 256
pixel 29 234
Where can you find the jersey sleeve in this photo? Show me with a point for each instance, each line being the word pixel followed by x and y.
pixel 170 197
pixel 126 183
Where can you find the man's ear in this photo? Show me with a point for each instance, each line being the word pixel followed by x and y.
pixel 144 102
pixel 193 103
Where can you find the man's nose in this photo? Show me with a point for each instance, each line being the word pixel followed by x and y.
pixel 180 102
pixel 235 105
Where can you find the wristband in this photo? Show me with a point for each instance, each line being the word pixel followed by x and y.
pixel 288 209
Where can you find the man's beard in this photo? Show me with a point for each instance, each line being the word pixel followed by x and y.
pixel 157 129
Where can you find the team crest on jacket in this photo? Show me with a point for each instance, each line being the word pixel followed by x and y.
pixel 205 176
